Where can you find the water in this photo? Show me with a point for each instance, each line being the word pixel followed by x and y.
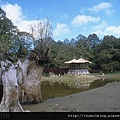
pixel 102 82
pixel 60 89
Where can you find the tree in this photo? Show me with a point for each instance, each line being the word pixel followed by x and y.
pixel 42 32
pixel 8 74
pixel 33 67
pixel 7 33
pixel 22 44
pixel 13 45
pixel 108 54
pixel 92 41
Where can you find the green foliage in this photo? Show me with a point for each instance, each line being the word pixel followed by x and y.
pixel 104 54
pixel 11 40
pixel 7 32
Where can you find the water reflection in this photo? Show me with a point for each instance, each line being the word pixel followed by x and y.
pixel 59 89
pixel 102 82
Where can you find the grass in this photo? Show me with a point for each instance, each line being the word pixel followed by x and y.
pixel 71 79
pixel 114 75
pixel 108 78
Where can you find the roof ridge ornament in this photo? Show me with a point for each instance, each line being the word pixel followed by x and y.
pixel 74 56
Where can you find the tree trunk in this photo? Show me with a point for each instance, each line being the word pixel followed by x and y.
pixel 31 88
pixel 22 74
pixel 25 85
pixel 10 98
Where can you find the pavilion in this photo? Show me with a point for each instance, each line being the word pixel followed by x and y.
pixel 78 67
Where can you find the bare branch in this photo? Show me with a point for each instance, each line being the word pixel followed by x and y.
pixel 42 33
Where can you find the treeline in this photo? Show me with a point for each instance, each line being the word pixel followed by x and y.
pixel 103 53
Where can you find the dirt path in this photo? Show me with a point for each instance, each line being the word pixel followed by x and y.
pixel 103 99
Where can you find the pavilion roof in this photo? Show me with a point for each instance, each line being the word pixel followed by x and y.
pixel 81 60
pixel 72 61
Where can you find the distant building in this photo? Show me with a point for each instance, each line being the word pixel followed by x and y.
pixel 56 71
pixel 78 67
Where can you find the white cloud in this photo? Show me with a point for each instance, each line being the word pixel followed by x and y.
pixel 115 30
pixel 109 12
pixel 14 12
pixel 102 25
pixel 101 6
pixel 82 20
pixel 61 29
pixel 107 30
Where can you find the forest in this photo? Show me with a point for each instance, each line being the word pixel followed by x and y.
pixel 103 53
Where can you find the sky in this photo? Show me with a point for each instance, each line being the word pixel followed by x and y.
pixel 69 18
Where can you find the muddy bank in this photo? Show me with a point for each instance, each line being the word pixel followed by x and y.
pixel 102 99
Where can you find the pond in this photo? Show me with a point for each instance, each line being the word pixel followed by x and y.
pixel 60 89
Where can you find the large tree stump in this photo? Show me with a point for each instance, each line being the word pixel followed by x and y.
pixel 10 99
pixel 27 76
